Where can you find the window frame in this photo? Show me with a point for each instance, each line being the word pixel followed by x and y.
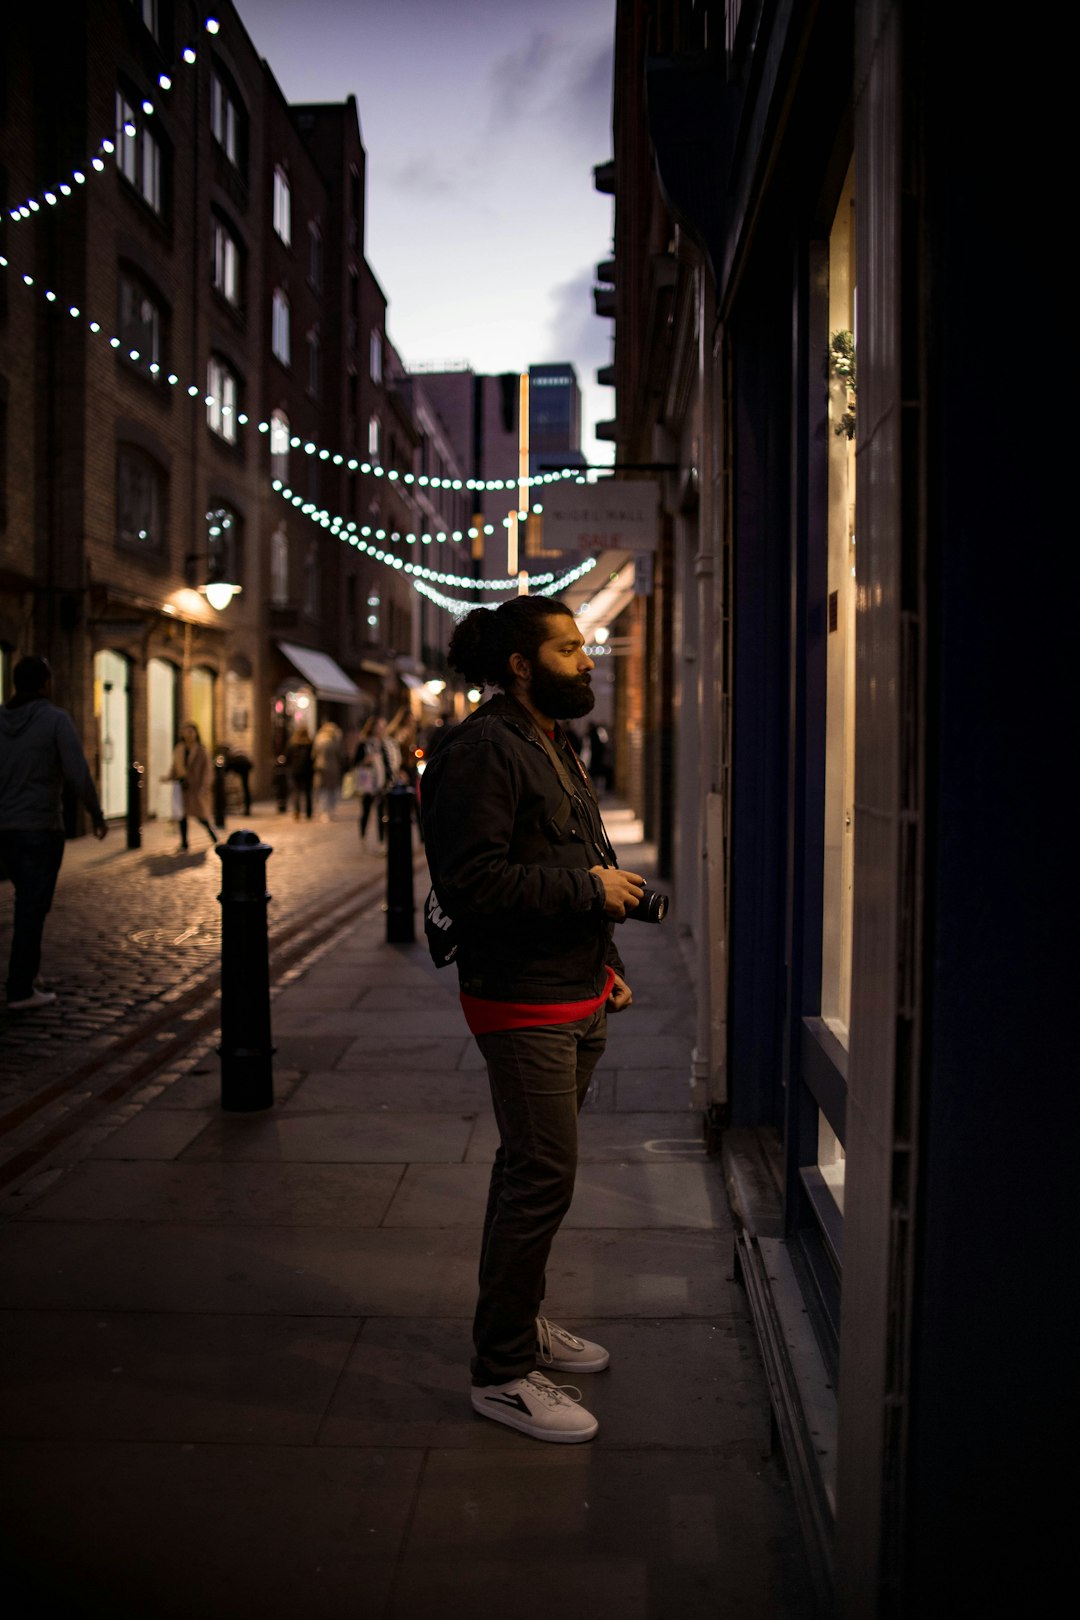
pixel 223 399
pixel 128 277
pixel 139 156
pixel 134 455
pixel 282 205
pixel 280 326
pixel 222 239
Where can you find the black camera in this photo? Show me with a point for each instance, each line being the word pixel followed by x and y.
pixel 651 908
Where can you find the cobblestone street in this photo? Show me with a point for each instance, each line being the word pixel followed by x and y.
pixel 133 931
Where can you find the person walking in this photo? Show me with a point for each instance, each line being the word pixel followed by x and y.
pixel 326 760
pixel 191 768
pixel 299 768
pixel 376 762
pixel 39 752
pixel 521 863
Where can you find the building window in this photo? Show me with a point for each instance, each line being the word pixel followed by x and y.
pixel 138 155
pixel 140 321
pixel 282 205
pixel 223 544
pixel 376 355
pixel 279 326
pixel 225 263
pixel 373 438
pixel 224 118
pixel 140 499
pixel 311 580
pixel 314 365
pixel 315 256
pixel 221 399
pixel 279 567
pixel 279 446
pixel 148 12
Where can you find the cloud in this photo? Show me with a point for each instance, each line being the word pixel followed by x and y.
pixel 421 175
pixel 574 330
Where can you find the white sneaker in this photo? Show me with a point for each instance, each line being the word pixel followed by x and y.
pixel 36 998
pixel 565 1352
pixel 537 1407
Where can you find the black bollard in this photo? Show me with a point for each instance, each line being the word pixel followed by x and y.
pixel 134 807
pixel 219 790
pixel 247 1071
pixel 400 905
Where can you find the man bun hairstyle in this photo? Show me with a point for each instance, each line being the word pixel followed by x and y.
pixel 484 640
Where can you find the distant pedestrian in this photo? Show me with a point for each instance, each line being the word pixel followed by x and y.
pixel 237 764
pixel 376 763
pixel 191 768
pixel 299 768
pixel 39 752
pixel 326 757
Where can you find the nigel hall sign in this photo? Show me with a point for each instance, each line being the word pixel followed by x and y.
pixel 614 515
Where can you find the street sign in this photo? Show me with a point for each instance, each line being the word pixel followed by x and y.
pixel 617 514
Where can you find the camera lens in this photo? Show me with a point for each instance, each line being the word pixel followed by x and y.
pixel 651 908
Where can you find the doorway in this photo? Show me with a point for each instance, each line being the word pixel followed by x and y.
pixel 112 717
pixel 162 685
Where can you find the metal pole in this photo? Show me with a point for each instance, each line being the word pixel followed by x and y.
pixel 246 1052
pixel 400 903
pixel 134 807
pixel 219 790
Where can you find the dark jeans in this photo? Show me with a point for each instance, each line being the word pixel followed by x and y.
pixel 33 862
pixel 369 802
pixel 539 1078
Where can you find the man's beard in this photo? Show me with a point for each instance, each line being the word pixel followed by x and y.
pixel 560 697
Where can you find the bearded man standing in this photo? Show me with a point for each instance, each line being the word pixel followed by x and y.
pixel 520 861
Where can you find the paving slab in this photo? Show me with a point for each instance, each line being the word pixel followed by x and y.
pixel 75 1375
pixel 627 1050
pixel 639 1091
pixel 165 1531
pixel 228 1193
pixel 384 1029
pixel 644 1535
pixel 359 1138
pixel 603 1134
pixel 624 1194
pixel 154 1134
pixel 403 1051
pixel 399 1091
pixel 242 1270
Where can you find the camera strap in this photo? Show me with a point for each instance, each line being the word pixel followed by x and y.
pixel 592 819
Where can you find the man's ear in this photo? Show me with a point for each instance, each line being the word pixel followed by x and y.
pixel 520 666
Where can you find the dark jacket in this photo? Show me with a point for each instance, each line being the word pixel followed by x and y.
pixel 510 867
pixel 39 752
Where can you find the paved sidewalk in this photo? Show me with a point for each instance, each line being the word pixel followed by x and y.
pixel 234 1352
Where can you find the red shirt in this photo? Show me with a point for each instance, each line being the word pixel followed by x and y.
pixel 488 1017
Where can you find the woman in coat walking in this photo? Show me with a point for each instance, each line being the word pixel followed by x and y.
pixel 326 758
pixel 191 770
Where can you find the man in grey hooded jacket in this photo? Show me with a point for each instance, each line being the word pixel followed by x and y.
pixel 39 752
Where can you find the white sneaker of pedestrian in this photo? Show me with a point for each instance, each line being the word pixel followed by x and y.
pixel 565 1352
pixel 36 998
pixel 537 1407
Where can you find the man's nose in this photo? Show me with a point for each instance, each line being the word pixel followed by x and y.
pixel 585 663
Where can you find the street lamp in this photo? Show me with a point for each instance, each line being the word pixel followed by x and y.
pixel 218 591
pixel 217 587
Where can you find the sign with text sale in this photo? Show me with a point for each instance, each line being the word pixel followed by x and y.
pixel 617 514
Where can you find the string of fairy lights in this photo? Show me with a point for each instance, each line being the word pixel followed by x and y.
pixel 366 540
pixel 310 447
pixel 365 537
pixel 53 195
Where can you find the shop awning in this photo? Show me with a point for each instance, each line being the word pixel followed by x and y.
pixel 327 679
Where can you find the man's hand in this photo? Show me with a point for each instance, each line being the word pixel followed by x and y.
pixel 622 890
pixel 620 997
pixel 100 829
